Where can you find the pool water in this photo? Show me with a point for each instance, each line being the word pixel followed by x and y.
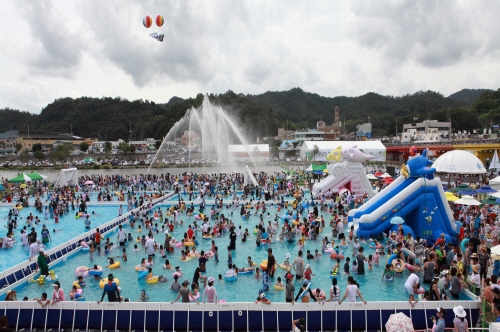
pixel 67 228
pixel 245 289
pixel 93 196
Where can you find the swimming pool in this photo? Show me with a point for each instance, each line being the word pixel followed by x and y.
pixel 67 228
pixel 245 289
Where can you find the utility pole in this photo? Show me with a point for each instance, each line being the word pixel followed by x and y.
pixel 130 132
pixel 396 128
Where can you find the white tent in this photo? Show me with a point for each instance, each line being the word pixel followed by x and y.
pixel 495 163
pixel 495 183
pixel 374 148
pixel 67 176
pixel 459 162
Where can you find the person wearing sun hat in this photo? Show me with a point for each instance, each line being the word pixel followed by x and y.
pixel 111 288
pixel 440 324
pixel 209 293
pixel 58 293
pixel 460 322
pixel 474 278
pixel 262 298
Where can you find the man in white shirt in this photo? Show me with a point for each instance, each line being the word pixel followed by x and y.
pixel 33 249
pixel 122 236
pixel 150 246
pixel 24 238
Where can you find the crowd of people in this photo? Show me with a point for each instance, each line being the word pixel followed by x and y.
pixel 437 271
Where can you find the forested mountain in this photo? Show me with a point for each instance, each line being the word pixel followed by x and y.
pixel 467 96
pixel 258 115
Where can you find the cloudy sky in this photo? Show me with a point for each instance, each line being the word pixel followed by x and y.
pixel 54 49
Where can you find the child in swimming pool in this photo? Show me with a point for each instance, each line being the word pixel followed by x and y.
pixel 167 265
pixel 354 267
pixel 370 262
pixel 257 273
pixel 412 300
pixel 249 261
pixel 135 248
pixel 388 273
pixel 183 255
pixel 124 255
pixel 279 283
pixel 376 257
pixel 346 265
pixel 150 273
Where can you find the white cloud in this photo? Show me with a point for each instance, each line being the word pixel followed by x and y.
pixel 100 48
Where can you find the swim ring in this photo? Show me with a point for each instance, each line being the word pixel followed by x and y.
pixel 185 260
pixel 52 276
pixel 263 265
pixel 97 272
pixel 399 265
pixel 81 271
pixel 114 265
pixel 279 287
pixel 196 297
pixel 284 267
pixel 391 258
pixel 247 272
pixel 152 280
pixel 305 291
pixel 207 236
pixel 140 268
pixel 188 243
pixel 177 273
pixel 77 285
pixel 105 281
pixel 231 277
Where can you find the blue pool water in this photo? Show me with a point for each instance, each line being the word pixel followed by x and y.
pixel 93 195
pixel 245 289
pixel 67 228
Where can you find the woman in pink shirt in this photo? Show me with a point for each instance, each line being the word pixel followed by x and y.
pixel 58 293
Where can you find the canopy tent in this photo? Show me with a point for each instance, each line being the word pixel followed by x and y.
pixel 67 176
pixel 315 167
pixel 2 188
pixel 371 177
pixel 459 162
pixel 450 197
pixel 35 176
pixel 495 183
pixel 23 177
pixel 374 148
pixel 486 190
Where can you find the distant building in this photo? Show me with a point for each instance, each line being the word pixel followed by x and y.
pixel 9 141
pixel 28 138
pixel 144 145
pixel 364 131
pixel 374 148
pixel 190 137
pixel 334 131
pixel 426 131
pixel 285 134
pixel 242 153
pixel 309 135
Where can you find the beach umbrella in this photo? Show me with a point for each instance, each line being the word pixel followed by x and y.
pixel 495 163
pixel 23 177
pixel 397 220
pixel 450 197
pixel 486 190
pixel 371 177
pixel 461 187
pixel 318 172
pixel 491 200
pixel 399 322
pixel 385 175
pixel 23 185
pixel 497 195
pixel 467 200
pixel 496 250
pixel 495 183
pixel 378 174
pixel 467 192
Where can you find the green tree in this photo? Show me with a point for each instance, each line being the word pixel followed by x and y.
pixel 107 147
pixel 124 147
pixel 61 153
pixel 37 147
pixel 19 146
pixel 39 154
pixel 157 144
pixel 295 143
pixel 84 146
